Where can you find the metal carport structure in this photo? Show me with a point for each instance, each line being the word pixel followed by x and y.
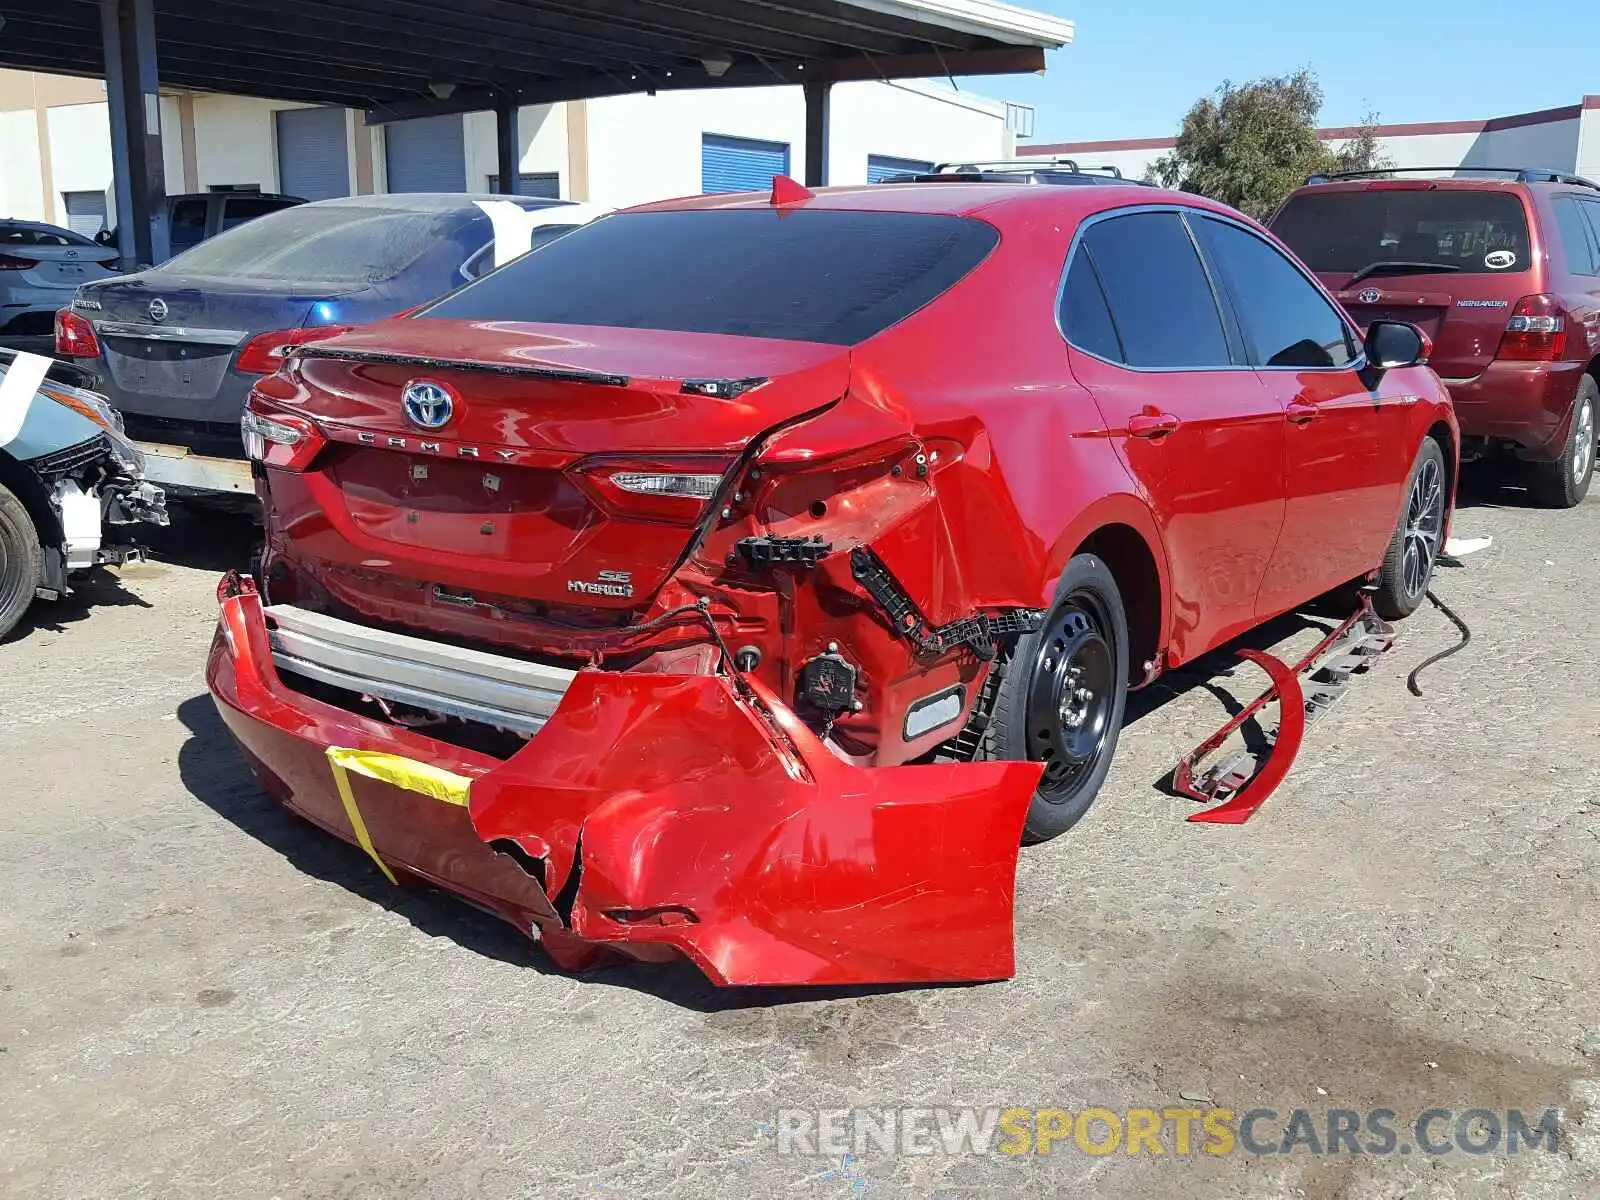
pixel 398 59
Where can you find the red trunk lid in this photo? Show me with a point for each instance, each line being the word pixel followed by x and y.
pixel 509 497
pixel 1464 325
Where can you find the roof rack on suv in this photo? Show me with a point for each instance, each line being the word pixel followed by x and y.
pixel 1512 174
pixel 1019 170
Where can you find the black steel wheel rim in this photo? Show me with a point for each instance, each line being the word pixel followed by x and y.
pixel 1071 696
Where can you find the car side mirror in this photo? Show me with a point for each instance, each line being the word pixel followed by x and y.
pixel 1394 344
pixel 104 238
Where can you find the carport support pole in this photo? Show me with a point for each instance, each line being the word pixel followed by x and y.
pixel 505 143
pixel 128 31
pixel 818 107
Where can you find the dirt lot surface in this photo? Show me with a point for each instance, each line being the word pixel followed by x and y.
pixel 200 996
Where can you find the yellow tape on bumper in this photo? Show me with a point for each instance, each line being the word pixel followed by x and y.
pixel 444 786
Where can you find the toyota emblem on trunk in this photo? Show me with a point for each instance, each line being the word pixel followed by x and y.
pixel 428 405
pixel 158 309
pixel 1370 296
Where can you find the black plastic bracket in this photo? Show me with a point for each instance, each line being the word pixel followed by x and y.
pixel 981 633
pixel 773 551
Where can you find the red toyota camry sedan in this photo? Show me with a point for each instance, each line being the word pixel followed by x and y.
pixel 744 578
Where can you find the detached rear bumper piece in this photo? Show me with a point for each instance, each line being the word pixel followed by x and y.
pixel 650 816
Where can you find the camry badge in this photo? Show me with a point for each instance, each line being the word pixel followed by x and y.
pixel 1370 296
pixel 158 309
pixel 428 405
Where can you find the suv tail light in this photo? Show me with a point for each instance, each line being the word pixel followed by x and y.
pixel 10 262
pixel 263 354
pixel 1537 331
pixel 674 490
pixel 279 439
pixel 75 336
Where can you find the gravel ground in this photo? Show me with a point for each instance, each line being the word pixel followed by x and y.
pixel 201 996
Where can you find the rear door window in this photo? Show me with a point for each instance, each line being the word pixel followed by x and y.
pixel 811 276
pixel 1161 301
pixel 188 224
pixel 236 210
pixel 1448 230
pixel 1085 315
pixel 1287 321
pixel 1589 210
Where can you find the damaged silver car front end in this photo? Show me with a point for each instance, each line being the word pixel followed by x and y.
pixel 72 486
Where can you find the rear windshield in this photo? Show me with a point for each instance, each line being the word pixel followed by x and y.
pixel 1467 232
pixel 825 276
pixel 33 235
pixel 340 243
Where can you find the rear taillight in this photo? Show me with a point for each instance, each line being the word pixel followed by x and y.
pixel 675 490
pixel 10 262
pixel 1537 331
pixel 263 354
pixel 279 439
pixel 75 336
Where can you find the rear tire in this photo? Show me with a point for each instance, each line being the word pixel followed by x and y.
pixel 1565 482
pixel 1418 540
pixel 19 560
pixel 1062 698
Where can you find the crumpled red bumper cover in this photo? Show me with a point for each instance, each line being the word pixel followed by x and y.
pixel 659 815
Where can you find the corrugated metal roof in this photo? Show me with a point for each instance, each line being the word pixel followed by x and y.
pixel 394 57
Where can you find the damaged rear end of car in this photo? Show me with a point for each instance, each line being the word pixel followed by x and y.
pixel 635 624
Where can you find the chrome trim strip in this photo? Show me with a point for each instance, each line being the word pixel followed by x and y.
pixel 171 333
pixel 470 684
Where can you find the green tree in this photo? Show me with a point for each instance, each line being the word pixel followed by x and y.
pixel 1252 144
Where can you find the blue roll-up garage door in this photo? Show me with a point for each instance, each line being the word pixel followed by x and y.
pixel 313 153
pixel 732 164
pixel 428 154
pixel 886 166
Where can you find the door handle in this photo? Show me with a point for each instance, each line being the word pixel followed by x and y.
pixel 1301 414
pixel 1151 424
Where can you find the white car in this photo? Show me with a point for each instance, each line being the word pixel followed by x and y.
pixel 40 267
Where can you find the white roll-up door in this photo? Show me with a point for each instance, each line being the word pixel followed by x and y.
pixel 86 212
pixel 313 153
pixel 428 154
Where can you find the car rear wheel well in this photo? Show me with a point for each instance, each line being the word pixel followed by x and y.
pixel 1127 555
pixel 1440 432
pixel 26 486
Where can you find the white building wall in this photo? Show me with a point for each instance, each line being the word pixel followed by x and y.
pixel 80 152
pixel 644 148
pixel 541 134
pixel 21 187
pixel 909 119
pixel 1589 144
pixel 236 141
pixel 640 148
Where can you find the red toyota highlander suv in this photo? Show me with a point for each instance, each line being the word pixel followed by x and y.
pixel 743 578
pixel 1501 269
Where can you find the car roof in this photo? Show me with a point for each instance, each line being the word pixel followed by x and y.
pixel 19 223
pixel 424 202
pixel 957 199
